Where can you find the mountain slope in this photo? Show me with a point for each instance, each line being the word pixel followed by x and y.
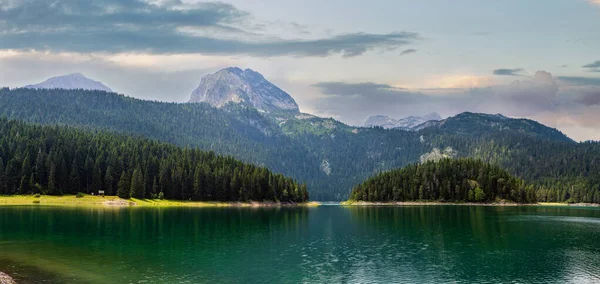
pixel 247 87
pixel 326 154
pixel 70 82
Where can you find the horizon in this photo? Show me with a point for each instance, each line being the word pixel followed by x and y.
pixel 348 66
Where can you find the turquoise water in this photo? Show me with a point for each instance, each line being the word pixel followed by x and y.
pixel 326 244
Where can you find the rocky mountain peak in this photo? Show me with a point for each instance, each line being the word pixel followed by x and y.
pixel 407 123
pixel 243 87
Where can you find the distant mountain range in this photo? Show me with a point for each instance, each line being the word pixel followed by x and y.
pixel 71 82
pixel 407 123
pixel 239 113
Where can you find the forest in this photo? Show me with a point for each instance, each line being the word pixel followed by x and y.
pixel 327 155
pixel 57 160
pixel 447 180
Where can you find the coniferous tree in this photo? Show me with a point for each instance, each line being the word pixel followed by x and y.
pixel 52 188
pixel 137 184
pixel 123 187
pixel 108 182
pixel 2 178
pixel 74 180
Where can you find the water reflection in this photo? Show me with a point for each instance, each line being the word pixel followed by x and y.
pixel 485 244
pixel 331 244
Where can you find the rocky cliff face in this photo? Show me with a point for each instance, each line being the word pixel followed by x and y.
pixel 70 82
pixel 242 87
pixel 407 123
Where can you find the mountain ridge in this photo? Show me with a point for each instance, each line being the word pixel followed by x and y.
pixel 408 123
pixel 71 81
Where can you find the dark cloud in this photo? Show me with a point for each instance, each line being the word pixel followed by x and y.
pixel 172 27
pixel 509 72
pixel 408 51
pixel 582 81
pixel 595 64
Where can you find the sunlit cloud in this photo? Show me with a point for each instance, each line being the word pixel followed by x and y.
pixel 461 81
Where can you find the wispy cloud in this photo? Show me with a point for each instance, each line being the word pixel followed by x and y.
pixel 509 72
pixel 164 27
pixel 408 51
pixel 593 67
pixel 580 81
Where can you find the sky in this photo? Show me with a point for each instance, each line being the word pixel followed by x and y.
pixel 537 59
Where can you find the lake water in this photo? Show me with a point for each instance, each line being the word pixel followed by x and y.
pixel 326 244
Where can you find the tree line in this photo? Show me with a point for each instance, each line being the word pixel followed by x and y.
pixel 59 160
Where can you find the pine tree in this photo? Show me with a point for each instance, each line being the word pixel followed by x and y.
pixel 74 180
pixel 24 186
pixel 137 184
pixel 52 189
pixel 197 186
pixel 155 188
pixel 2 178
pixel 123 187
pixel 108 182
pixel 96 178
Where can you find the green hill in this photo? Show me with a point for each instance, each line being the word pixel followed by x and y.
pixel 327 155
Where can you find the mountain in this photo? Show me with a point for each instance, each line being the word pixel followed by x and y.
pixel 407 123
pixel 70 82
pixel 468 123
pixel 329 156
pixel 245 87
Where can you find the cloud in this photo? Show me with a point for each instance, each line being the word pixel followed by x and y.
pixel 595 64
pixel 555 102
pixel 509 72
pixel 581 81
pixel 408 51
pixel 164 27
pixel 593 67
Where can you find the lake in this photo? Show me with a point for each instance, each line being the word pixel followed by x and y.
pixel 326 244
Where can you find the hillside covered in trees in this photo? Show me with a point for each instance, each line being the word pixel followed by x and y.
pixel 62 160
pixel 448 180
pixel 327 155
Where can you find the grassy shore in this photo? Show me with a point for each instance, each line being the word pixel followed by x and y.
pixel 420 203
pixel 114 201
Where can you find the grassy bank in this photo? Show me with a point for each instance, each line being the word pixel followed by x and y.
pixel 114 201
pixel 420 203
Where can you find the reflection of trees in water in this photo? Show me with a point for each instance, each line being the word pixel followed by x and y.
pixel 468 242
pixel 134 241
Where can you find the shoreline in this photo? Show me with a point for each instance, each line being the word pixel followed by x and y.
pixel 116 202
pixel 437 203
